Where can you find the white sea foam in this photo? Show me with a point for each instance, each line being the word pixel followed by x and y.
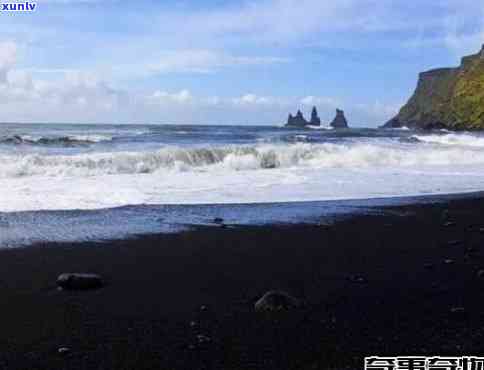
pixel 92 138
pixel 237 174
pixel 468 140
pixel 320 127
pixel 72 139
pixel 236 158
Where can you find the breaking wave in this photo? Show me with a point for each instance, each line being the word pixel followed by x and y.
pixel 64 141
pixel 239 158
pixel 468 140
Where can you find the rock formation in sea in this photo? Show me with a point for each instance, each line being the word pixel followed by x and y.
pixel 315 120
pixel 299 121
pixel 340 120
pixel 450 98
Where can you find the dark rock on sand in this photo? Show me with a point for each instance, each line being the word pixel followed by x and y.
pixel 357 279
pixel 276 301
pixel 445 215
pixel 457 309
pixel 454 243
pixel 340 120
pixel 77 281
pixel 459 312
pixel 63 350
pixel 201 338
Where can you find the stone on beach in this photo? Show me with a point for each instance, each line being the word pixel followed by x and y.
pixel 63 350
pixel 453 243
pixel 459 312
pixel 276 301
pixel 78 281
pixel 357 279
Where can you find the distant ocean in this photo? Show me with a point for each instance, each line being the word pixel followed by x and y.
pixel 78 182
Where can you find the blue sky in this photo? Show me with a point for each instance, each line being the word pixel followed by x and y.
pixel 225 62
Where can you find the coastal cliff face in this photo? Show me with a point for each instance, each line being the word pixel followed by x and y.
pixel 451 98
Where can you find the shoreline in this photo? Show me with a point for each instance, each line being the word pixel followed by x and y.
pixel 401 282
pixel 25 229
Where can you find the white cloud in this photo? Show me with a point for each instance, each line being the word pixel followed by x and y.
pixel 320 100
pixel 253 99
pixel 20 79
pixel 205 61
pixel 378 110
pixel 163 97
pixel 463 26
pixel 77 96
pixel 8 54
pixel 462 43
pixel 284 21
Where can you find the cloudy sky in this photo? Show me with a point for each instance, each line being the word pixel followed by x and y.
pixel 225 61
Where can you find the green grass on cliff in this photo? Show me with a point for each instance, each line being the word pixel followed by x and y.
pixel 453 97
pixel 467 104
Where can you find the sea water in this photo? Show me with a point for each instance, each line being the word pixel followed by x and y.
pixel 84 182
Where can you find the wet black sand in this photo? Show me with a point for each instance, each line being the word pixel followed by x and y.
pixel 404 282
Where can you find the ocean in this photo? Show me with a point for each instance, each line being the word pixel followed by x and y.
pixel 94 182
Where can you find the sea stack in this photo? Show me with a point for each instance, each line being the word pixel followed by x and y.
pixel 340 120
pixel 299 120
pixel 450 98
pixel 315 120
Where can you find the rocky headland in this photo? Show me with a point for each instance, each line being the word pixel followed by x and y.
pixel 447 98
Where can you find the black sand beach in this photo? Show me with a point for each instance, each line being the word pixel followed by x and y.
pixel 405 282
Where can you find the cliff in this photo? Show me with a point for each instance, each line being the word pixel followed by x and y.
pixel 340 120
pixel 451 98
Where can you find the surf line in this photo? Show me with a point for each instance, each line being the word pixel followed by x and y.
pixel 18 7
